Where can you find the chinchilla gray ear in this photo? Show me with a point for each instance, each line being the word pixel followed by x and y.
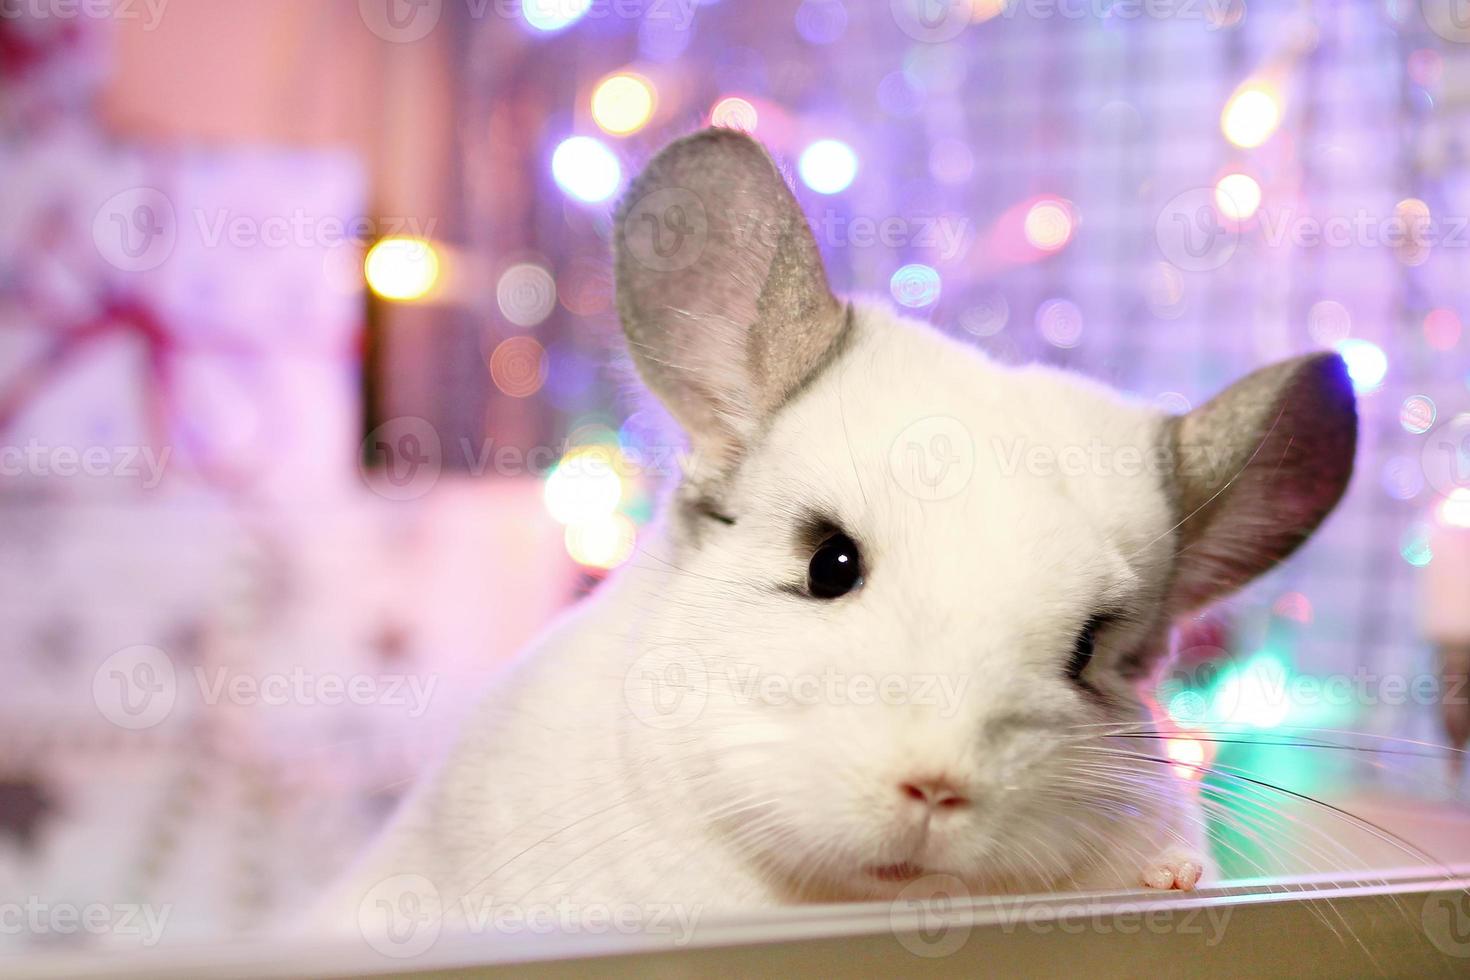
pixel 721 290
pixel 1256 469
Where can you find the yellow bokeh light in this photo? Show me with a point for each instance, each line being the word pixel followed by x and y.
pixel 603 543
pixel 1189 756
pixel 402 268
pixel 586 485
pixel 623 103
pixel 1251 116
pixel 1048 225
pixel 983 10
pixel 1237 196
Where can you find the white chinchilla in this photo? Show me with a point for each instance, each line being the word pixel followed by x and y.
pixel 897 612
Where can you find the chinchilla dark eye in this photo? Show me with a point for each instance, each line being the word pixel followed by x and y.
pixel 835 569
pixel 1083 648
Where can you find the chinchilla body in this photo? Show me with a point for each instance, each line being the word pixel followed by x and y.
pixel 896 621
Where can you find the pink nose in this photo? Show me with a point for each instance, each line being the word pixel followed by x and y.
pixel 934 793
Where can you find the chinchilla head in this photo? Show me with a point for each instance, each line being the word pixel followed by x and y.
pixel 907 590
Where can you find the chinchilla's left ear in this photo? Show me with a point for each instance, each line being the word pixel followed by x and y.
pixel 1256 470
pixel 721 290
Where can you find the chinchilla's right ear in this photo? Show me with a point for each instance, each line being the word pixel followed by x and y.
pixel 721 291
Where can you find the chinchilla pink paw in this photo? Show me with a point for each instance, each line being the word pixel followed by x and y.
pixel 1177 872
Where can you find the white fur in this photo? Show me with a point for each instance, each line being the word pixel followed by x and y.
pixel 560 790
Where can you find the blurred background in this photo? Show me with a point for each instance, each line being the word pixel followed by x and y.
pixel 313 408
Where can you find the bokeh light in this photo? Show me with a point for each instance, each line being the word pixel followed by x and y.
pixel 585 286
pixel 1048 224
pixel 1294 606
pixel 1454 510
pixel 828 166
pixel 1416 546
pixel 1173 402
pixel 1442 329
pixel 899 95
pixel 553 15
pixel 733 112
pixel 1328 322
pixel 526 294
pixel 1256 695
pixel 821 21
pixel 1412 242
pixel 402 268
pixel 915 285
pixel 623 103
pixel 1164 291
pixel 1403 478
pixel 518 366
pixel 1188 708
pixel 1059 321
pixel 585 485
pixel 1188 755
pixel 987 317
pixel 1417 414
pixel 1237 196
pixel 1251 116
pixel 1425 66
pixel 1367 364
pixel 604 543
pixel 586 169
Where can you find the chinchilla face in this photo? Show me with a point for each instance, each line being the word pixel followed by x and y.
pixel 910 592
